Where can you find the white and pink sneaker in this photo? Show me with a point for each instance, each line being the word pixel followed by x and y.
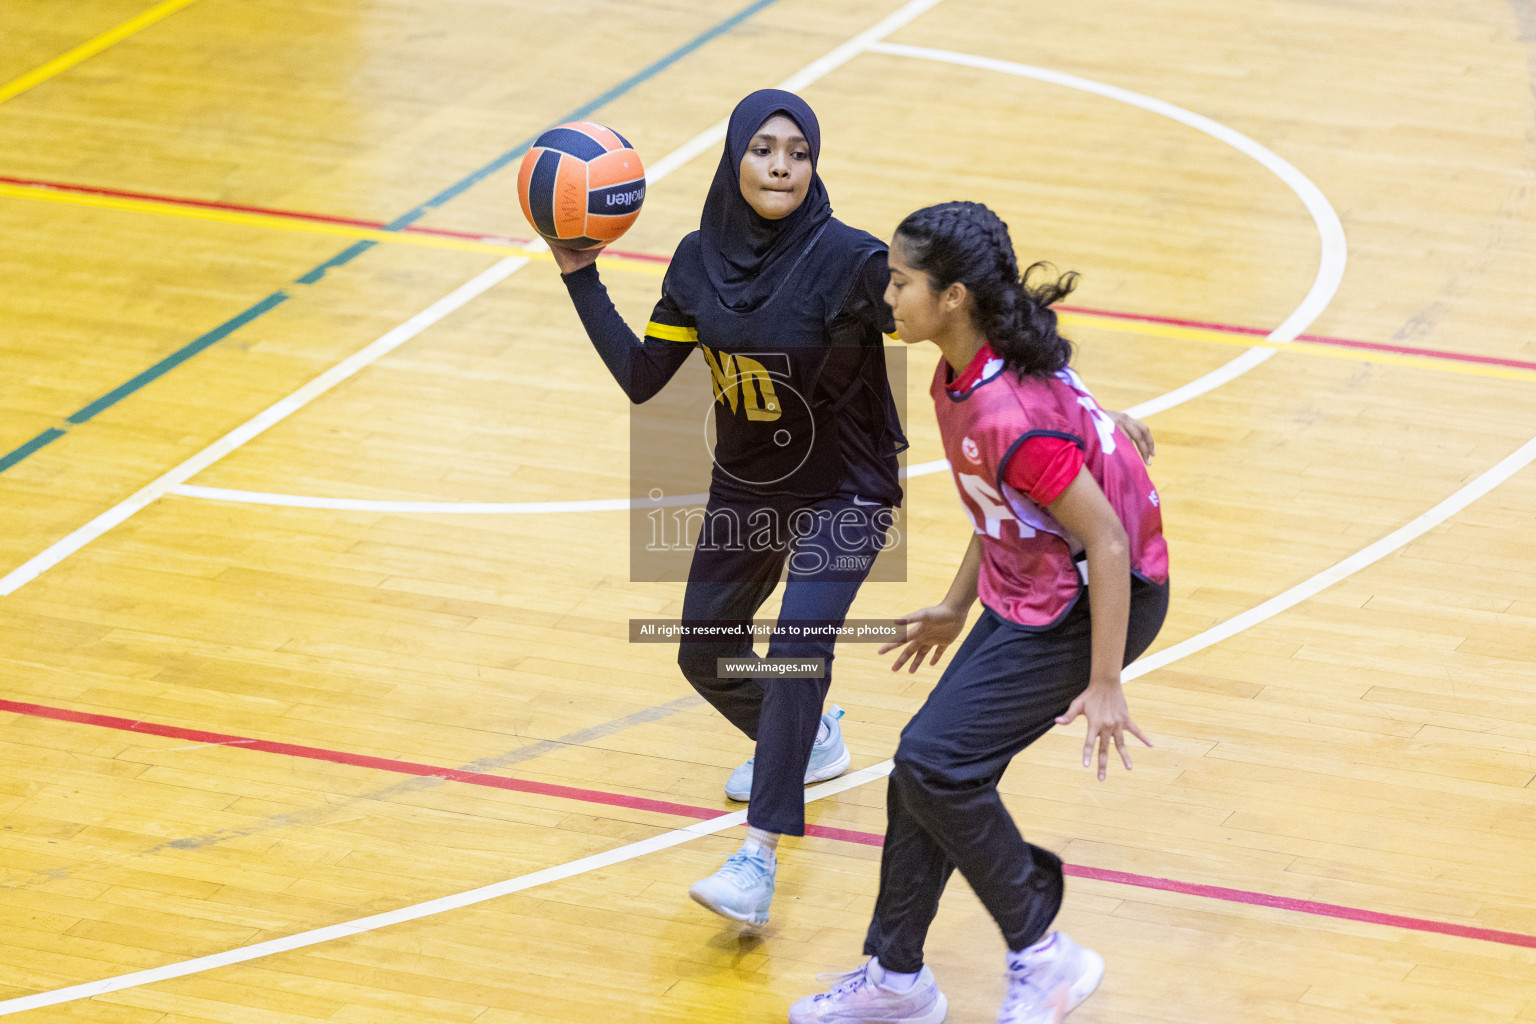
pixel 1049 980
pixel 860 996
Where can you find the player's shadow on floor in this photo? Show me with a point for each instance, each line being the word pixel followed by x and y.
pixel 737 942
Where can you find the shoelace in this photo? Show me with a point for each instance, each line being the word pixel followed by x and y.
pixel 743 868
pixel 1022 990
pixel 821 741
pixel 844 984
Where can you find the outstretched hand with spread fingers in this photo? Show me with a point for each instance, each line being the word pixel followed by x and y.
pixel 1109 719
pixel 933 628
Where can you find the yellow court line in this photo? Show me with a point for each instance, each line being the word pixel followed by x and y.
pixel 256 220
pixel 89 49
pixel 1311 348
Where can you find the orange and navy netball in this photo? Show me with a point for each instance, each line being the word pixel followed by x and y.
pixel 581 185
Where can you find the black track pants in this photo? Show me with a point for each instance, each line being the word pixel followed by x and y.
pixel 1000 693
pixel 827 561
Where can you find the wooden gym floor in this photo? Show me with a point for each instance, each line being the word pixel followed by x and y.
pixel 252 753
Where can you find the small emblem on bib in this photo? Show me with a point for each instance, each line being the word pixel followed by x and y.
pixel 969 449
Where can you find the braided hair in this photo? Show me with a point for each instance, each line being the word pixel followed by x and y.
pixel 967 242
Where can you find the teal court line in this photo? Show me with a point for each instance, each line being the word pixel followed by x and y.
pixel 352 252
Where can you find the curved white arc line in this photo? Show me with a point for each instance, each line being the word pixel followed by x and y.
pixel 817 69
pixel 1330 269
pixel 1195 388
pixel 1200 385
pixel 1464 496
pixel 1403 535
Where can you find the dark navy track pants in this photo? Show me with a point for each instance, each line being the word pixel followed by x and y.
pixel 825 558
pixel 1002 691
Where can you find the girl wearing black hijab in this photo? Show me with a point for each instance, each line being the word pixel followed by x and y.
pixel 786 303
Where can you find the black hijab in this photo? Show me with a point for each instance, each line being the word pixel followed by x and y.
pixel 746 255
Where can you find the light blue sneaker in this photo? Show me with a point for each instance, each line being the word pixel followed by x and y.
pixel 741 890
pixel 829 759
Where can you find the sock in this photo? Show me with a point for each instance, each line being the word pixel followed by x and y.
pixel 822 732
pixel 895 981
pixel 763 843
pixel 1045 947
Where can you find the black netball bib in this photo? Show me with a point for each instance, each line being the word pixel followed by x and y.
pixel 776 426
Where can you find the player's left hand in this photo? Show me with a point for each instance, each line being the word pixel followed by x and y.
pixel 1109 719
pixel 1139 433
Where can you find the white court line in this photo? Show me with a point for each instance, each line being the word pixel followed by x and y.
pixel 62 549
pixel 442 904
pixel 1333 252
pixel 117 514
pixel 1195 388
pixel 1459 500
pixel 1487 481
pixel 1333 249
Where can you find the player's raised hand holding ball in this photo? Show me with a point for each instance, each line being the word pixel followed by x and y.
pixel 581 186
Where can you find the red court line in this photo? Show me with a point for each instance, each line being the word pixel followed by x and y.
pixel 384 764
pixel 1215 892
pixel 266 211
pixel 1320 339
pixel 1256 332
pixel 1258 899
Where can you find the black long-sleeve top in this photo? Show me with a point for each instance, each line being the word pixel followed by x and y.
pixel 641 368
pixel 827 328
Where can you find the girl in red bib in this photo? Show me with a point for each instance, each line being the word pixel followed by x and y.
pixel 1070 565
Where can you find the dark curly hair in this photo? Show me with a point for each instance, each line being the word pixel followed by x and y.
pixel 967 242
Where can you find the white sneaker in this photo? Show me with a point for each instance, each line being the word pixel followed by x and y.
pixel 1049 980
pixel 741 890
pixel 858 997
pixel 829 759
